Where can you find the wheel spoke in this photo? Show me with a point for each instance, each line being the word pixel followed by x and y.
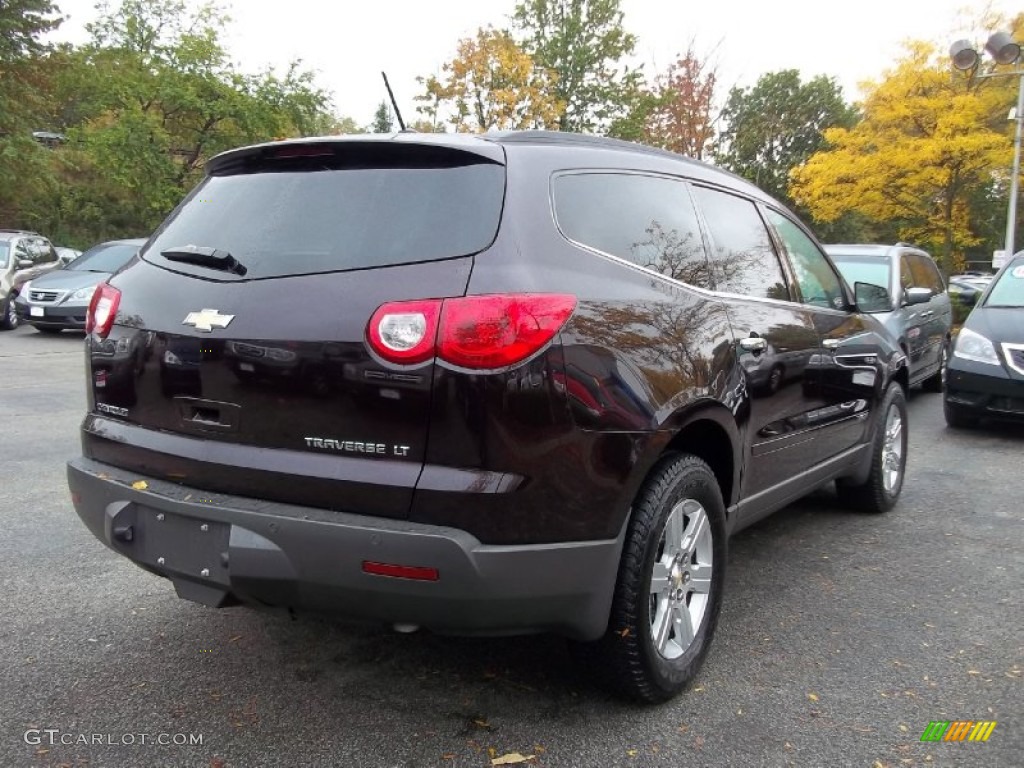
pixel 683 626
pixel 700 578
pixel 662 625
pixel 674 532
pixel 698 524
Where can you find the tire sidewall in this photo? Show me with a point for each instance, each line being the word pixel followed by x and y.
pixel 698 483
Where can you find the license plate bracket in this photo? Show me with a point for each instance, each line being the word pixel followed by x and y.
pixel 189 546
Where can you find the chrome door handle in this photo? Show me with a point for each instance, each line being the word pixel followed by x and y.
pixel 754 344
pixel 929 313
pixel 831 344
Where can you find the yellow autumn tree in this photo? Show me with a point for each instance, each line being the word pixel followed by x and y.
pixel 929 139
pixel 491 83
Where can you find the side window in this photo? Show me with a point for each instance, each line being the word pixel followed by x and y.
pixel 648 220
pixel 742 252
pixel 816 281
pixel 906 276
pixel 926 274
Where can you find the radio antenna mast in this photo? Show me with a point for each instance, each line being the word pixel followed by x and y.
pixel 401 123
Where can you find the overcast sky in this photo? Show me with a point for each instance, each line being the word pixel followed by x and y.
pixel 348 43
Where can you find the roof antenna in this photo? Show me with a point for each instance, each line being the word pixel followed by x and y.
pixel 401 123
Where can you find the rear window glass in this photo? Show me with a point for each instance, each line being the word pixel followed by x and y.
pixel 299 221
pixel 863 269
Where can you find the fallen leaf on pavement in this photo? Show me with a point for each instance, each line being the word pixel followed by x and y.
pixel 512 758
pixel 812 696
pixel 140 485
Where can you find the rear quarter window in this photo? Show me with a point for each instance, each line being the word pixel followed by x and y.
pixel 647 220
pixel 307 218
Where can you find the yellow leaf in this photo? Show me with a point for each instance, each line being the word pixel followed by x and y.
pixel 631 752
pixel 140 485
pixel 812 696
pixel 512 758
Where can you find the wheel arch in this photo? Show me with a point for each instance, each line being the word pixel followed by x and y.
pixel 710 433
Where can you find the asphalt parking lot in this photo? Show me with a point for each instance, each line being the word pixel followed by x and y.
pixel 842 636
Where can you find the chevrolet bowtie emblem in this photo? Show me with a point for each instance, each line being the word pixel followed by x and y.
pixel 205 320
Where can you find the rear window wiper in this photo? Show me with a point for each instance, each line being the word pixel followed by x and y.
pixel 204 256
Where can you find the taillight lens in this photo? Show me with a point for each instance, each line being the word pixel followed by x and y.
pixel 474 332
pixel 102 310
pixel 404 332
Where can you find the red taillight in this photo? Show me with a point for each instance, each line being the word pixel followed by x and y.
pixel 475 332
pixel 401 571
pixel 501 330
pixel 102 310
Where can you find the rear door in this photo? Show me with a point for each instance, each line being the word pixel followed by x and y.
pixel 912 319
pixel 937 315
pixel 243 369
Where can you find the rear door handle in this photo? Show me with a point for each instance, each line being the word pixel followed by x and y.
pixel 754 344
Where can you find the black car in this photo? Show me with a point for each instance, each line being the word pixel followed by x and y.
pixel 985 375
pixel 538 414
pixel 58 300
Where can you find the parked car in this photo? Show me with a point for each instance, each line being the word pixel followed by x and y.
pixel 920 313
pixel 58 301
pixel 985 375
pixel 582 313
pixel 66 255
pixel 963 291
pixel 23 256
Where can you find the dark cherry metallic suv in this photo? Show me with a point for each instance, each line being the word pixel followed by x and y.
pixel 519 382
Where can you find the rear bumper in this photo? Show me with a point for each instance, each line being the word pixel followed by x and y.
pixel 312 559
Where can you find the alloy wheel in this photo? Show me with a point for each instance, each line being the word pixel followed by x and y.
pixel 892 450
pixel 681 579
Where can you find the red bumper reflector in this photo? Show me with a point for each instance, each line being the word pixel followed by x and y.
pixel 401 571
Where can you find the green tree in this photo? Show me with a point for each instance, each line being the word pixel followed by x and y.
pixel 147 101
pixel 583 43
pixel 24 84
pixel 777 124
pixel 929 150
pixel 382 122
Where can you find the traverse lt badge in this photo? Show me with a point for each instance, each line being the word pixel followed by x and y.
pixel 206 319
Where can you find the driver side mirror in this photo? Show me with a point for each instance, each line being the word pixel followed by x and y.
pixel 25 263
pixel 917 296
pixel 871 298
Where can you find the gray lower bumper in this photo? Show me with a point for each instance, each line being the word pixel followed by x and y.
pixel 219 548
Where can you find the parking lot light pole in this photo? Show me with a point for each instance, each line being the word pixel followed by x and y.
pixel 1004 50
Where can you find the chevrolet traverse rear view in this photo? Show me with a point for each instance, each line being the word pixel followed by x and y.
pixel 519 382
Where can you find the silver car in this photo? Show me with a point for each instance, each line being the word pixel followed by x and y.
pixel 920 312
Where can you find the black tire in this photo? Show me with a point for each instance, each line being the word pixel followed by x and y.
pixel 627 658
pixel 8 314
pixel 936 382
pixel 881 490
pixel 956 418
